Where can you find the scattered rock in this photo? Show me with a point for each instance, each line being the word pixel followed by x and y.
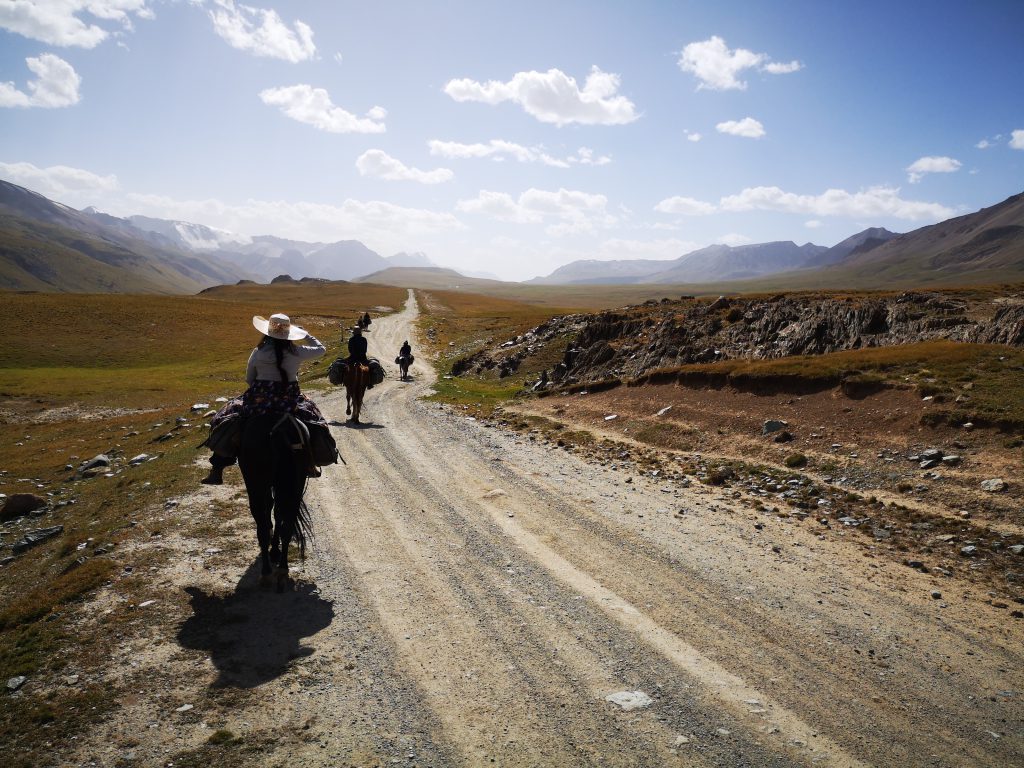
pixel 969 551
pixel 629 700
pixel 936 595
pixel 952 460
pixel 200 406
pixel 102 460
pixel 929 463
pixel 773 425
pixel 994 485
pixel 184 708
pixel 611 417
pixel 495 494
pixel 21 504
pixel 783 437
pixel 141 458
pixel 38 536
pixel 1016 549
pixel 15 683
pixel 662 412
pixel 930 454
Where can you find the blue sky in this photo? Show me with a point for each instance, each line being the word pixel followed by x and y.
pixel 512 138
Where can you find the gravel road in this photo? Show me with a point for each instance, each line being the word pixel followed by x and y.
pixel 489 593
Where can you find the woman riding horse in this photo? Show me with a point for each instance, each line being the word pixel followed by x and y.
pixel 274 473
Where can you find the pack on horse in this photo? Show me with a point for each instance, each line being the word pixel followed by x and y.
pixel 268 428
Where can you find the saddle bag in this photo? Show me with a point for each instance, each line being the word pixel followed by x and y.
pixel 336 372
pixel 322 447
pixel 376 372
pixel 226 438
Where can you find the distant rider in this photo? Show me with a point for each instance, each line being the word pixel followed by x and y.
pixel 357 347
pixel 406 350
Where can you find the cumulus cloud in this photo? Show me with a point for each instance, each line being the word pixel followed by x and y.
pixel 381 225
pixel 262 32
pixel 983 144
pixel 748 127
pixel 553 96
pixel 498 149
pixel 717 67
pixel 58 182
pixel 56 85
pixel 1017 139
pixel 313 106
pixel 917 170
pixel 570 211
pixel 377 163
pixel 685 206
pixel 57 22
pixel 874 202
pixel 693 136
pixel 868 204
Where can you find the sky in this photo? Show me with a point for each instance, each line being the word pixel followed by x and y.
pixel 512 138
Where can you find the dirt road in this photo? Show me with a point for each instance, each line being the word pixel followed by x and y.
pixel 489 593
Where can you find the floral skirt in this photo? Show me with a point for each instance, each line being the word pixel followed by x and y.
pixel 265 397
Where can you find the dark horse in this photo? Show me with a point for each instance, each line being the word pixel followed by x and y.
pixel 275 479
pixel 357 377
pixel 404 362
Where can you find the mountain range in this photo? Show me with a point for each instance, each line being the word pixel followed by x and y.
pixel 47 246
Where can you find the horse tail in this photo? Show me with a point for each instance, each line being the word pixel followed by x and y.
pixel 303 523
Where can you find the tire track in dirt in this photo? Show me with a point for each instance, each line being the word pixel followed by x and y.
pixel 435 561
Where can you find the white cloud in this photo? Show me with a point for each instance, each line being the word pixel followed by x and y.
pixel 57 22
pixel 498 149
pixel 694 137
pixel 868 204
pixel 748 127
pixel 377 163
pixel 56 85
pixel 313 106
pixel 685 206
pixel 717 67
pixel 813 224
pixel 571 211
pixel 1017 139
pixel 732 239
pixel 983 144
pixel 381 225
pixel 553 96
pixel 338 58
pixel 58 182
pixel 925 165
pixel 262 32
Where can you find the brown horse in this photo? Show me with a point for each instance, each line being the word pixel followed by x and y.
pixel 357 377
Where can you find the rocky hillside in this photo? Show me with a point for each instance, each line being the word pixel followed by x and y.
pixel 630 342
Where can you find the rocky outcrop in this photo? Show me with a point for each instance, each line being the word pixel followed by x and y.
pixel 633 341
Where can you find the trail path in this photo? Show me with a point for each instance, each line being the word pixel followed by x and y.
pixel 489 592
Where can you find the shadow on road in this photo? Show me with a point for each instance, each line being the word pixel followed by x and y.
pixel 360 425
pixel 253 634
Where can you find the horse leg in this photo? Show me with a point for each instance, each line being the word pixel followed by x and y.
pixel 261 505
pixel 275 546
pixel 348 403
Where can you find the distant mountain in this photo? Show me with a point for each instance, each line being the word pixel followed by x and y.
pixel 416 259
pixel 986 245
pixel 718 263
pixel 862 242
pixel 596 271
pixel 345 260
pixel 193 237
pixel 48 246
pixel 438 278
pixel 707 265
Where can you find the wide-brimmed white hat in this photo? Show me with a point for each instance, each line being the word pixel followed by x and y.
pixel 279 327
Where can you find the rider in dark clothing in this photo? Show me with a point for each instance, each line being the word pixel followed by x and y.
pixel 357 347
pixel 406 350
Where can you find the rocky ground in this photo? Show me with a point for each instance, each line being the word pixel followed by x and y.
pixel 479 594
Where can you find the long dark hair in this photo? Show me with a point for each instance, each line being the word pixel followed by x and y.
pixel 280 347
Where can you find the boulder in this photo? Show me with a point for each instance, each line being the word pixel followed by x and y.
pixel 96 462
pixel 773 425
pixel 38 536
pixel 21 504
pixel 994 485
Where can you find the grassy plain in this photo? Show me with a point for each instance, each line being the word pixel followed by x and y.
pixel 82 375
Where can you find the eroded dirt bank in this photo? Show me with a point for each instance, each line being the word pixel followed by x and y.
pixel 474 595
